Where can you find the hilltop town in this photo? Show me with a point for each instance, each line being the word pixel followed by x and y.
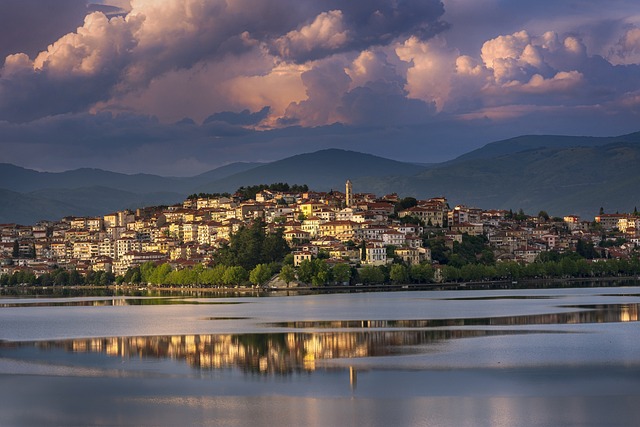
pixel 360 230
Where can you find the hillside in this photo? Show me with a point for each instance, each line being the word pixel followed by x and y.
pixel 534 142
pixel 25 209
pixel 322 171
pixel 577 180
pixel 562 175
pixel 23 180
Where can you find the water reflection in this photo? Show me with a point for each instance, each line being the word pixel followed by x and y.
pixel 268 353
pixel 287 352
pixel 115 302
pixel 605 313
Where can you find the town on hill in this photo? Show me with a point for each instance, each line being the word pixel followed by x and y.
pixel 289 235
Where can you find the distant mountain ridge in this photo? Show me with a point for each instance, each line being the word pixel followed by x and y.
pixel 559 174
pixel 532 142
pixel 322 171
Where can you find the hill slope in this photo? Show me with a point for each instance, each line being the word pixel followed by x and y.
pixel 577 180
pixel 534 142
pixel 562 175
pixel 321 170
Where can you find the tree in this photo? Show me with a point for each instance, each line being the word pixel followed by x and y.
pixel 159 274
pixel 399 273
pixel 405 203
pixel 321 272
pixel 586 250
pixel 15 253
pixel 250 246
pixel 341 273
pixel 260 274
pixel 370 274
pixel 450 273
pixel 421 273
pixel 305 271
pixel 235 275
pixel 287 274
pixel 75 278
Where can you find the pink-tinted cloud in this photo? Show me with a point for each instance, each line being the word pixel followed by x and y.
pixel 261 74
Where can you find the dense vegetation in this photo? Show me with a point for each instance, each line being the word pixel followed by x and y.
pixel 58 277
pixel 248 193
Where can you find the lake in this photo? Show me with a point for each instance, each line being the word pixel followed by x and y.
pixel 539 357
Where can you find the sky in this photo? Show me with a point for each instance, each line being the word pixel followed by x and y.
pixel 180 87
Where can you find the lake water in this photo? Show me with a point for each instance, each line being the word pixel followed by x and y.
pixel 552 357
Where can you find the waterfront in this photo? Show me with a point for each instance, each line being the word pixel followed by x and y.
pixel 539 357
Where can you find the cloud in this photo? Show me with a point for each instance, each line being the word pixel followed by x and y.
pixel 106 60
pixel 29 26
pixel 244 118
pixel 327 33
pixel 627 49
pixel 278 75
pixel 325 85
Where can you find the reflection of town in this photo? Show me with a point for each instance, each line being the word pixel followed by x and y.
pixel 287 352
pixel 610 313
pixel 275 353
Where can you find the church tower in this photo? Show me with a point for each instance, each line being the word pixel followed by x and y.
pixel 349 194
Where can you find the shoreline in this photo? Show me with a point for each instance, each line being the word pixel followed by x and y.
pixel 474 285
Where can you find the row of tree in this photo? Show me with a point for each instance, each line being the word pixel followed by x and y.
pixel 318 272
pixel 565 268
pixel 220 275
pixel 57 277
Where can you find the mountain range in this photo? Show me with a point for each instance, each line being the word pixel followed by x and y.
pixel 558 174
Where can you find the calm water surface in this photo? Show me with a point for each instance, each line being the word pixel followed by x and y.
pixel 555 357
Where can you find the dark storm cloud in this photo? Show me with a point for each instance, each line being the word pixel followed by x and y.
pixel 386 104
pixel 330 73
pixel 106 58
pixel 362 25
pixel 243 118
pixel 29 26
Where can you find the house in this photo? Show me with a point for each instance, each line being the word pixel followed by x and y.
pixel 432 215
pixel 376 254
pixel 342 230
pixel 410 256
pixel 300 256
pixel 468 228
pixel 296 235
pixel 609 221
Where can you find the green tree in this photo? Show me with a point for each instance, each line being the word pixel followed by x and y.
pixel 306 271
pixel 250 246
pixel 75 278
pixel 260 274
pixel 146 271
pixel 405 203
pixel 399 274
pixel 287 274
pixel 213 276
pixel 451 273
pixel 341 273
pixel 586 250
pixel 370 274
pixel 159 274
pixel 321 272
pixel 235 276
pixel 421 273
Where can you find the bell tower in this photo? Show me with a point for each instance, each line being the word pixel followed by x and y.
pixel 348 194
